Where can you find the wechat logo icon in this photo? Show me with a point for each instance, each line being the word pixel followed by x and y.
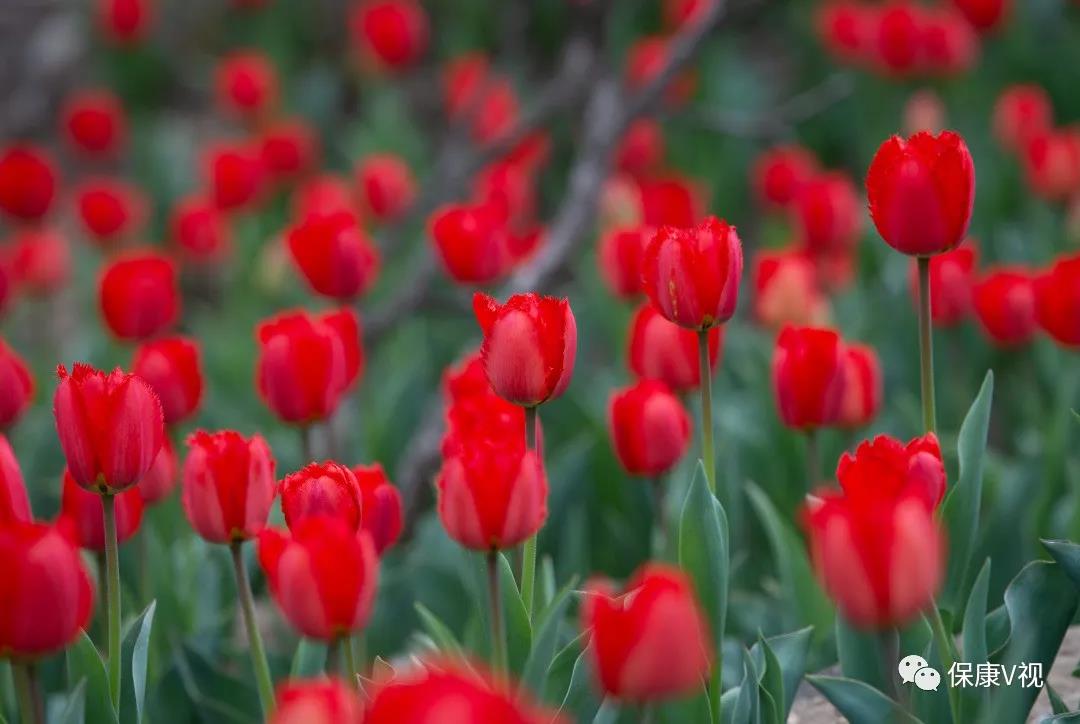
pixel 915 670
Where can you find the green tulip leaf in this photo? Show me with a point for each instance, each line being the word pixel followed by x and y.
pixel 859 702
pixel 84 663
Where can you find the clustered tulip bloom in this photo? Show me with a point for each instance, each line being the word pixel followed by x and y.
pixel 473 410
pixel 27 182
pixel 94 122
pixel 386 186
pixel 661 350
pixel 16 386
pixel 139 295
pixel 1004 302
pixel 877 548
pixel 110 210
pixel 14 502
pixel 172 366
pixel 475 245
pixel 228 485
pixel 650 428
pixel 652 642
pixel 808 372
pixel 83 512
pixel 333 254
pixel 317 701
pixel 381 506
pixel 325 489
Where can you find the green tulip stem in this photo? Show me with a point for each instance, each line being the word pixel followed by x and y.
pixel 705 370
pixel 499 656
pixel 26 690
pixel 112 596
pixel 926 347
pixel 263 680
pixel 528 558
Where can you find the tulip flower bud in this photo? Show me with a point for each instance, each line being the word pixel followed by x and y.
pixel 863 386
pixel 786 290
pixel 779 174
pixel 322 575
pixel 846 28
pixel 473 244
pixel 641 150
pixel 895 46
pixel 390 34
pixel 826 213
pixel 228 485
pixel 16 386
pixel 139 295
pixel 949 45
pixel 289 149
pixel 334 255
pixel 234 174
pixel 94 123
pixel 386 186
pixel 322 490
pixel 660 350
pixel 125 22
pixel 1004 301
pixel 691 275
pixel 921 192
pixel 671 201
pixel 173 368
pixel 619 257
pixel 1057 300
pixel 110 210
pixel 54 599
pixel 808 377
pixel 40 261
pixel 650 428
pixel 84 513
pixel 984 15
pixel 951 277
pixel 161 479
pixel 529 347
pixel 14 503
pixel 110 427
pixel 27 182
pixel 199 231
pixel 1051 161
pixel 650 643
pixel 382 516
pixel 1021 113
pixel 474 411
pixel 247 85
pixel 317 701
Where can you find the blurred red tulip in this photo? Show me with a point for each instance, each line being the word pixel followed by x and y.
pixel 172 367
pixel 984 15
pixel 321 490
pixel 110 427
pixel 27 182
pixel 464 79
pixel 473 410
pixel 323 195
pixel 390 34
pixel 619 257
pixel 1057 300
pixel 14 503
pixel 228 485
pixel 650 643
pixel 234 174
pixel 645 60
pixel 678 13
pixel 317 701
pixel 16 386
pixel 641 149
pixel 951 277
pixel 921 192
pixel 84 512
pixel 382 516
pixel 896 37
pixel 863 386
pixel 139 294
pixel 949 45
pixel 650 428
pixel 161 479
pixel 94 123
pixel 1004 301
pixel 1022 112
pixel 200 231
pixel 808 377
pixel 529 347
pixel 386 186
pixel 827 213
pixel 334 255
pixel 290 148
pixel 779 173
pixel 660 350
pixel 53 600
pixel 125 22
pixel 40 260
pixel 322 574
pixel 508 189
pixel 246 84
pixel 1051 163
pixel 691 275
pixel 497 112
pixel 670 201
pixel 111 210
pixel 786 290
pixel 847 28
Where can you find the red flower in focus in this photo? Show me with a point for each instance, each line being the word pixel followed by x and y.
pixel 307 362
pixel 529 347
pixel 27 182
pixel 1051 163
pixel 234 174
pixel 94 123
pixel 246 84
pixel 14 503
pixel 641 149
pixel 863 386
pixel 650 428
pixel 779 173
pixel 386 186
pixel 139 295
pixel 83 512
pixel 125 22
pixel 951 277
pixel 16 386
pixel 228 485
pixel 921 192
pixel 984 15
pixel 162 477
pixel 391 34
pixel 1021 113
pixel 53 600
pixel 110 427
pixel 40 260
pixel 1057 300
pixel 172 367
pixel 333 254
pixel 826 213
pixel 1004 300
pixel 808 377
pixel 885 467
pixel 691 275
pixel 647 58
pixel 290 148
pixel 786 290
pixel 670 201
pixel 653 641
pixel 317 701
pixel 619 257
pixel 111 210
pixel 322 575
pixel 200 231
pixel 660 350
pixel 382 516
pixel 321 490
pixel 847 28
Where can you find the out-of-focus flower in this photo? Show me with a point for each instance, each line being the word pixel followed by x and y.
pixel 390 34
pixel 16 386
pixel 321 490
pixel 162 477
pixel 808 377
pixel 246 83
pixel 139 294
pixel 125 22
pixel 1057 300
pixel 779 174
pixel 333 254
pixel 650 428
pixel 1022 112
pixel 951 277
pixel 647 58
pixel 896 37
pixel 1004 301
pixel 670 200
pixel 1051 161
pixel 234 174
pixel 661 350
pixel 786 290
pixel 386 186
pixel 94 123
pixel 619 257
pixel 172 367
pixel 678 13
pixel 111 210
pixel 317 701
pixel 642 147
pixel 464 79
pixel 323 195
pixel 14 502
pixel 290 148
pixel 228 485
pixel 199 231
pixel 83 511
pixel 382 515
pixel 473 410
pixel 27 182
pixel 863 386
pixel 949 45
pixel 826 213
pixel 846 27
pixel 984 15
pixel 40 260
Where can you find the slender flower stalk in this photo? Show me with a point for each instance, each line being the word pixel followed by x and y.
pixel 499 656
pixel 707 454
pixel 31 708
pixel 349 658
pixel 112 596
pixel 944 644
pixel 263 680
pixel 813 459
pixel 528 562
pixel 926 347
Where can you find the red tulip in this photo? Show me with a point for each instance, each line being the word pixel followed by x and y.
pixel 228 485
pixel 306 363
pixel 786 290
pixel 386 186
pixel 14 503
pixel 391 34
pixel 508 189
pixel 647 58
pixel 1057 300
pixel 125 22
pixel 234 174
pixel 323 195
pixel 652 642
pixel 1004 301
pixel 984 14
pixel 650 428
pixel 290 148
pixel 642 147
pixel 951 277
pixel 808 376
pixel 949 45
pixel 863 386
pixel 111 210
pixel 1051 163
pixel 664 351
pixel 921 191
pixel 779 174
pixel 317 701
pixel 464 79
pixel 334 255
pixel 529 347
pixel 53 600
pixel 173 368
pixel 885 467
pixel 474 245
pixel 200 231
pixel 27 182
pixel 382 516
pixel 670 201
pixel 110 427
pixel 322 575
pixel 246 84
pixel 321 490
pixel 473 410
pixel 896 37
pixel 139 295
pixel 95 123
pixel 1022 112
pixel 691 275
pixel 40 260
pixel 84 512
pixel 16 386
pixel 498 111
pixel 438 692
pixel 826 213
pixel 619 257
pixel 161 479
pixel 847 28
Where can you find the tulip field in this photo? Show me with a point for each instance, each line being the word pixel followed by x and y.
pixel 539 361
